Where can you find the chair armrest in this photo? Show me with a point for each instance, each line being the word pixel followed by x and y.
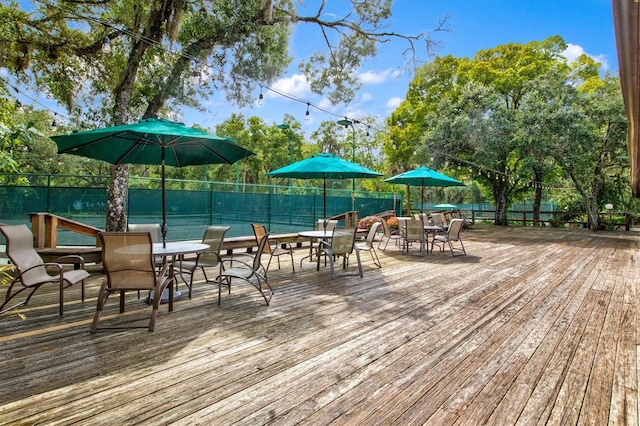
pixel 73 259
pixel 164 270
pixel 47 266
pixel 199 254
pixel 231 260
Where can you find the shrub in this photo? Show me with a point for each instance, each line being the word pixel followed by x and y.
pixel 367 222
pixel 393 222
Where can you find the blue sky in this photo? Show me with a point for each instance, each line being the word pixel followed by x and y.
pixel 586 25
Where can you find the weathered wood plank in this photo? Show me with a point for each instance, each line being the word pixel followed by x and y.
pixel 534 326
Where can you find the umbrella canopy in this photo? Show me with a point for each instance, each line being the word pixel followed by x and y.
pixel 152 141
pixel 324 166
pixel 424 176
pixel 446 206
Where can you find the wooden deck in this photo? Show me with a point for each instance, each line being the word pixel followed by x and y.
pixel 534 326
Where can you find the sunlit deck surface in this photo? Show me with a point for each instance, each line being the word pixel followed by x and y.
pixel 533 326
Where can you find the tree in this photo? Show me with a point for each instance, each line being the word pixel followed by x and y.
pixel 164 55
pixel 590 145
pixel 480 113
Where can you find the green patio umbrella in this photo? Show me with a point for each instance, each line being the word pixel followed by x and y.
pixel 152 141
pixel 324 166
pixel 424 176
pixel 446 206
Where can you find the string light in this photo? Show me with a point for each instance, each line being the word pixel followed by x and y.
pixel 35 101
pixel 106 45
pixel 106 48
pixel 54 125
pixel 306 114
pixel 19 108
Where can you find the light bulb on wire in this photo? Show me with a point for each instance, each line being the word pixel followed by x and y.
pixel 106 45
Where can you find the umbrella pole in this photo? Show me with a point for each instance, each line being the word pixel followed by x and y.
pixel 422 197
pixel 324 203
pixel 164 213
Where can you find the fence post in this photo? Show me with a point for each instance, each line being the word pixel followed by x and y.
pixel 48 207
pixel 211 206
pixel 269 208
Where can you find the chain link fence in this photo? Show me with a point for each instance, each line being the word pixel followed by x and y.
pixel 191 206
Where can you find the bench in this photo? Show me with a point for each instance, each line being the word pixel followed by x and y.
pixel 249 242
pixel 93 254
pixel 89 254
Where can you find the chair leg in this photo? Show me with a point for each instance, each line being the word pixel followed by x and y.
pixel 374 256
pixel 220 284
pixel 61 295
pixel 103 295
pixel 359 263
pixel 386 243
pixel 331 265
pixel 258 286
pixel 269 262
pixel 293 264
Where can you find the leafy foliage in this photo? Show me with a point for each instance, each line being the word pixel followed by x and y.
pixel 164 55
pixel 516 114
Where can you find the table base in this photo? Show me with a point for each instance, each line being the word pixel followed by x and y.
pixel 177 295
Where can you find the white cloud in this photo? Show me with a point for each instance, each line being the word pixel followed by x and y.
pixel 325 103
pixel 370 77
pixel 296 85
pixel 573 51
pixel 393 103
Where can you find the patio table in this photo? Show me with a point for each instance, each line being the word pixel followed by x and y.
pixel 314 235
pixel 173 250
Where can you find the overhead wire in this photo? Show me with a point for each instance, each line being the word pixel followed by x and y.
pixel 160 46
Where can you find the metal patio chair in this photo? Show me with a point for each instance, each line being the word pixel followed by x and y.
pixel 342 244
pixel 278 249
pixel 213 237
pixel 451 235
pixel 250 270
pixel 127 258
pixel 33 272
pixel 367 244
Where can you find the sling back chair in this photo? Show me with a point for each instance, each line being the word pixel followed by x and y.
pixel 213 237
pixel 388 234
pixel 367 245
pixel 451 235
pixel 278 249
pixel 33 272
pixel 327 225
pixel 246 270
pixel 154 230
pixel 127 258
pixel 342 244
pixel 414 233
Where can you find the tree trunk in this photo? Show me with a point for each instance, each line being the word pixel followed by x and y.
pixel 500 200
pixel 117 195
pixel 119 184
pixel 537 200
